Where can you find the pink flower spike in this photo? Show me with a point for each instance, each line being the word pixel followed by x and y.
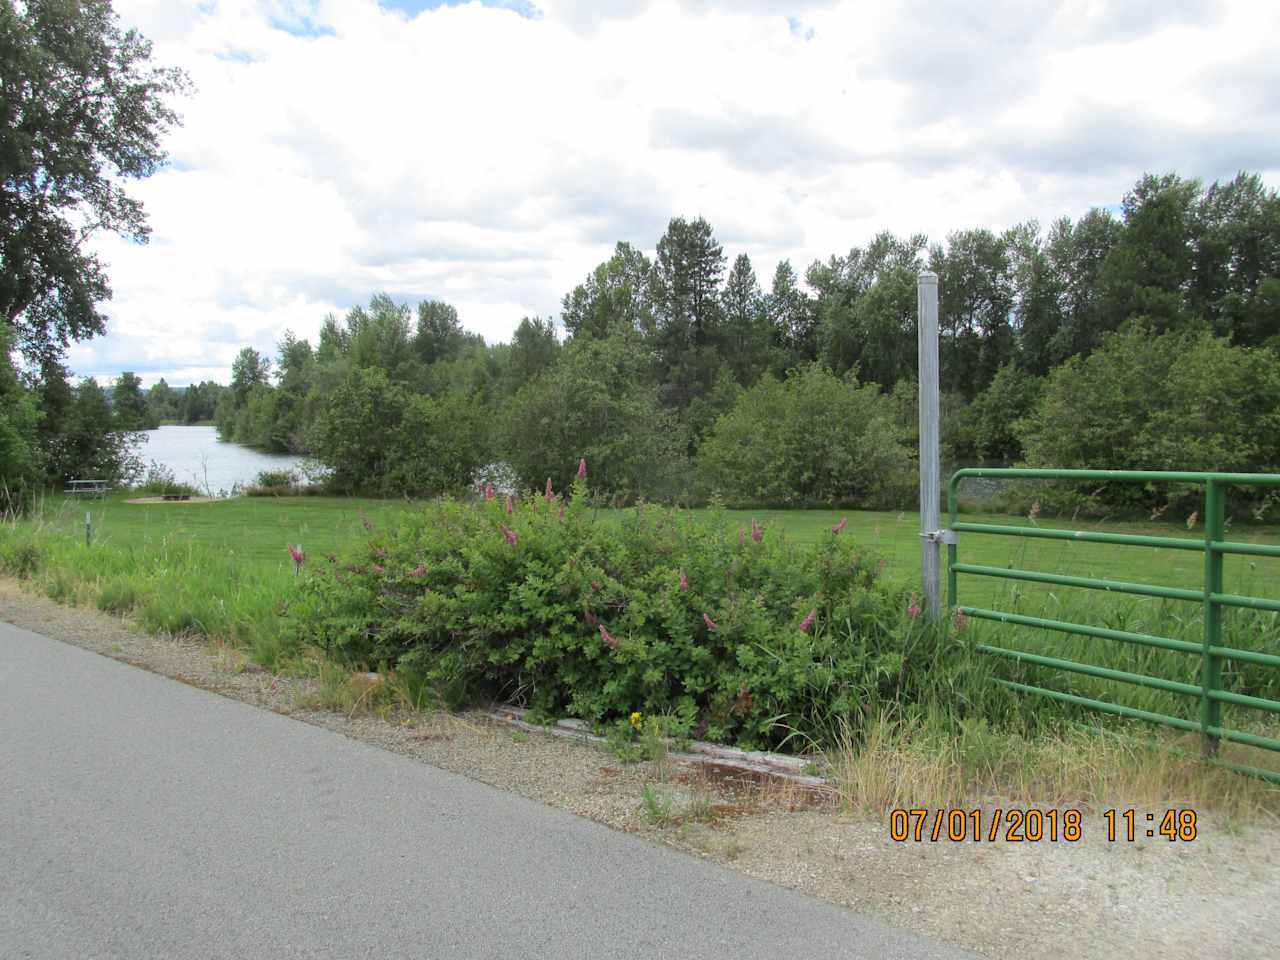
pixel 913 611
pixel 510 534
pixel 582 469
pixel 296 554
pixel 807 622
pixel 488 491
pixel 757 531
pixel 548 494
pixel 610 641
pixel 684 582
pixel 378 568
pixel 510 506
pixel 711 624
pixel 839 526
pixel 419 571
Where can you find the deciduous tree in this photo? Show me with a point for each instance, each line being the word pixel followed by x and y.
pixel 83 111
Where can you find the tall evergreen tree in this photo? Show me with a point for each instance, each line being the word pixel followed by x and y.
pixel 686 287
pixel 745 333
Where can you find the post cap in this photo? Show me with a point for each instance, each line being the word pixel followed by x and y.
pixel 928 277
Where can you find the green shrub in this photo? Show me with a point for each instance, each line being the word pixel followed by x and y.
pixel 160 480
pixel 1181 401
pixel 580 614
pixel 596 402
pixel 813 438
pixel 275 483
pixel 275 478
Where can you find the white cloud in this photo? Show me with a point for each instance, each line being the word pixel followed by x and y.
pixel 336 148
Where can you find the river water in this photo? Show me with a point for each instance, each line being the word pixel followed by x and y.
pixel 196 456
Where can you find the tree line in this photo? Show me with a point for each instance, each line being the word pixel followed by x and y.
pixel 1144 337
pixel 682 375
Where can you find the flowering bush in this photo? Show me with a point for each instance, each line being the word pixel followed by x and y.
pixel 601 615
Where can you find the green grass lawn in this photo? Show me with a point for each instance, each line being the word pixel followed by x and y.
pixel 254 532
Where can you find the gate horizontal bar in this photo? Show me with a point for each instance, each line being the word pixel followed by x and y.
pixel 1250 739
pixel 1239 736
pixel 1250 549
pixel 1104 673
pixel 1124 636
pixel 1138 679
pixel 1253 603
pixel 1262 772
pixel 1132 713
pixel 1086 536
pixel 1176 476
pixel 1114 586
pixel 1244 700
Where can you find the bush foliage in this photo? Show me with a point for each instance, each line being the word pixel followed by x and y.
pixel 812 438
pixel 743 636
pixel 1182 401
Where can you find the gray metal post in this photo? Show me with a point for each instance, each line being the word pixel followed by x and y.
pixel 930 466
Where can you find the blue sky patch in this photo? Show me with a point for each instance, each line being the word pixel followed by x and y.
pixel 524 8
pixel 301 26
pixel 798 29
pixel 237 56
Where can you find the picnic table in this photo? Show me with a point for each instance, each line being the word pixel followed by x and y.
pixel 86 488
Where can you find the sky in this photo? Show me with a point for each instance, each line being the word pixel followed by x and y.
pixel 490 154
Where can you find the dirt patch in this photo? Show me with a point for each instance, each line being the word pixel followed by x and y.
pixel 1091 899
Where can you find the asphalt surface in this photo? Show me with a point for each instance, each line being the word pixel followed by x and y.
pixel 141 818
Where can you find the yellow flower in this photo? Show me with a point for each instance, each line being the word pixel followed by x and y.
pixel 636 720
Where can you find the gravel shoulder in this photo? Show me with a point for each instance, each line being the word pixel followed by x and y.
pixel 1091 899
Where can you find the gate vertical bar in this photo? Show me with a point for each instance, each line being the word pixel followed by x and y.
pixel 1211 665
pixel 930 467
pixel 952 513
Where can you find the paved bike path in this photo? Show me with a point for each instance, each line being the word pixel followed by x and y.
pixel 143 818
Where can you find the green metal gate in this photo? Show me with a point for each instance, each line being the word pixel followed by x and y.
pixel 1210 651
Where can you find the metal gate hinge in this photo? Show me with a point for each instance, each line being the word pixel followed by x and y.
pixel 942 536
